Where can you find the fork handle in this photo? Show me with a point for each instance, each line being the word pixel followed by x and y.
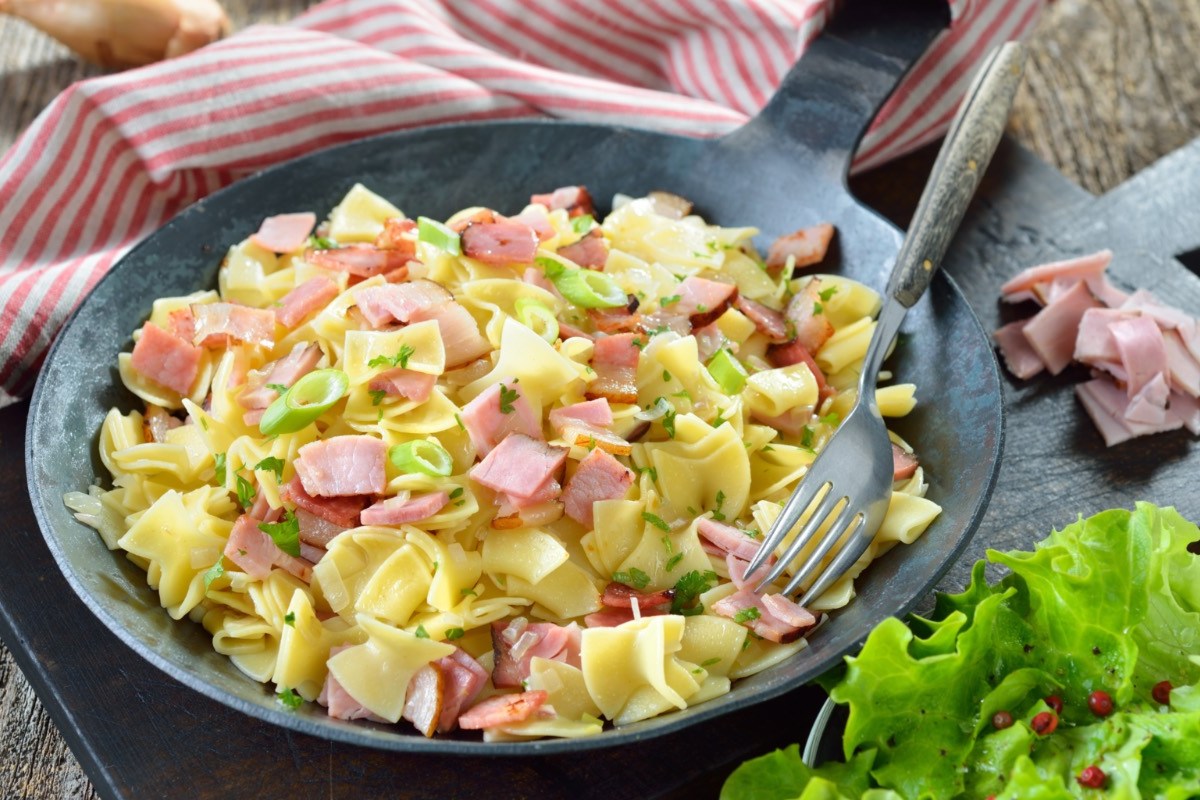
pixel 968 147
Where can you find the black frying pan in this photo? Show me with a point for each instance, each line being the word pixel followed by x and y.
pixel 785 169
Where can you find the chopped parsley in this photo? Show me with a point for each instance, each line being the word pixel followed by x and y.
pixel 457 493
pixel 668 301
pixel 279 388
pixel 673 561
pixel 806 437
pixel 746 615
pixel 583 223
pixel 638 343
pixel 421 633
pixel 507 398
pixel 825 294
pixel 651 471
pixel 753 534
pixel 272 464
pixel 708 662
pixel 289 619
pixel 634 577
pixel 689 587
pixel 285 533
pixel 377 396
pixel 399 360
pixel 719 421
pixel 668 545
pixel 245 492
pixel 214 572
pixel 817 308
pixel 468 592
pixel 831 419
pixel 322 243
pixel 684 394
pixel 717 515
pixel 455 633
pixel 289 699
pixel 666 375
pixel 459 422
pixel 668 423
pixel 656 521
pixel 701 307
pixel 219 459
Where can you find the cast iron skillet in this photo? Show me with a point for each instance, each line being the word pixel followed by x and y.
pixel 784 169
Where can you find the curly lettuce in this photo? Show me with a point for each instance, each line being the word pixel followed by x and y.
pixel 1111 602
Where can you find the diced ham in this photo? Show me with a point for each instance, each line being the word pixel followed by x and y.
pixel 1052 331
pixel 316 531
pixel 1143 352
pixel 307 298
pixel 904 463
pixel 784 355
pixel 400 511
pixel 397 234
pixel 1089 266
pixel 311 552
pixel 615 360
pixel 807 245
pixel 363 260
pixel 460 333
pixel 261 509
pixel 181 324
pixel 596 413
pixel 702 301
pixel 519 466
pixel 537 277
pixel 500 243
pixel 156 422
pixel 728 539
pixel 465 679
pixel 166 360
pixel 487 424
pixel 737 570
pixel 590 252
pixel 217 324
pixel 778 620
pixel 575 199
pixel 599 477
pixel 397 302
pixel 1021 359
pixel 516 643
pixel 670 205
pixel 285 233
pixel 623 319
pixel 341 511
pixel 339 703
pixel 343 466
pixel 810 328
pixel 295 365
pixel 424 698
pixel 768 321
pixel 510 516
pixel 401 382
pixel 255 552
pixel 502 709
pixel 618 595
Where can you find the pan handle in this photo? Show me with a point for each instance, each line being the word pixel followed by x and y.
pixel 829 97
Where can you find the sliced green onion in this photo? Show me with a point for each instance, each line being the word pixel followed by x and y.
pixel 422 456
pixel 437 234
pixel 728 372
pixel 309 398
pixel 589 289
pixel 551 266
pixel 535 315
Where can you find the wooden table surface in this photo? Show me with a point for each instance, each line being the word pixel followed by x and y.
pixel 1111 85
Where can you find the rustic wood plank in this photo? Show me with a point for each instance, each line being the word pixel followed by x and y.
pixel 1111 86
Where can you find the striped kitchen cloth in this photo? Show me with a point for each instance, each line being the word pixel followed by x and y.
pixel 113 158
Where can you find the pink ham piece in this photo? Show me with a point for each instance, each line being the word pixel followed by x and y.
pixel 516 643
pixel 306 299
pixel 341 511
pixel 338 702
pixel 501 243
pixel 727 539
pixel 623 319
pixel 537 277
pixel 1106 404
pixel 599 477
pixel 1143 352
pixel 768 321
pixel 397 302
pixel 166 360
pixel 362 260
pixel 520 467
pixel 397 234
pixel 590 252
pixel 312 554
pixel 1094 342
pixel 398 511
pixel 316 531
pixel 1184 369
pixel 488 425
pixel 904 463
pixel 156 422
pixel 218 324
pixel 503 709
pixel 1021 359
pixel 406 383
pixel 424 698
pixel 255 552
pixel 262 511
pixel 295 365
pixel 181 324
pixel 618 595
pixel 1149 404
pixel 1021 286
pixel 596 413
pixel 737 570
pixel 810 329
pixel 784 355
pixel 615 360
pixel 465 679
pixel 575 199
pixel 709 340
pixel 343 466
pixel 807 245
pixel 1186 409
pixel 539 220
pixel 284 233
pixel 702 301
pixel 778 619
pixel 1052 331
pixel 460 333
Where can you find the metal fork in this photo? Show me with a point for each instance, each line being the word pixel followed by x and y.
pixel 847 489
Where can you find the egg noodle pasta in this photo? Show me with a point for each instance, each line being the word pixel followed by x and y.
pixel 491 473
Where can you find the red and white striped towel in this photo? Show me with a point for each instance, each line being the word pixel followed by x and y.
pixel 115 157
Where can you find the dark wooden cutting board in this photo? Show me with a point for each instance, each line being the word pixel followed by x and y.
pixel 139 734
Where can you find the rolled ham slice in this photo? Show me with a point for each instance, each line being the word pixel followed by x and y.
pixel 285 233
